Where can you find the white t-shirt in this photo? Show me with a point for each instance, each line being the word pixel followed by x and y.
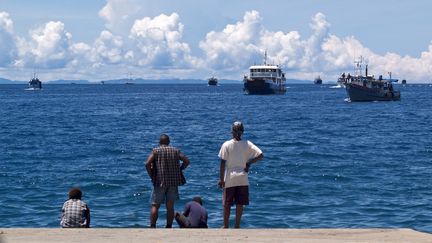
pixel 237 153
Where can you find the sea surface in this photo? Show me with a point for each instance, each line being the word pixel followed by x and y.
pixel 328 163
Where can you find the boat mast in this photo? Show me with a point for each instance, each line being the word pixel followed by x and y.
pixel 359 66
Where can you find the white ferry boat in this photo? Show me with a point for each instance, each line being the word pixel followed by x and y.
pixel 265 79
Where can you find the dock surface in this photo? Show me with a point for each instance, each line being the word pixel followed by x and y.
pixel 132 235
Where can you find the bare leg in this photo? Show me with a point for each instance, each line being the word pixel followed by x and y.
pixel 227 211
pixel 170 213
pixel 239 212
pixel 154 214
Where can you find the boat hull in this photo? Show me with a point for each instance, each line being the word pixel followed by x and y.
pixel 263 87
pixel 360 93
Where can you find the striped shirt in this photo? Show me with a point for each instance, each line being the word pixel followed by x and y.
pixel 74 214
pixel 167 166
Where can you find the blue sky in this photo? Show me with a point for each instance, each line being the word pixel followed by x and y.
pixel 103 39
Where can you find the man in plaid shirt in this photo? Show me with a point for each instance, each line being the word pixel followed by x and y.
pixel 75 213
pixel 165 171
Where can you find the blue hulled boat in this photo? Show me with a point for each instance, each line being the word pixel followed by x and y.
pixel 265 79
pixel 367 88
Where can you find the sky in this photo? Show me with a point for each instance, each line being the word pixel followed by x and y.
pixel 190 39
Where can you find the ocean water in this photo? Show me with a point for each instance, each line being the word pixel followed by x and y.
pixel 328 163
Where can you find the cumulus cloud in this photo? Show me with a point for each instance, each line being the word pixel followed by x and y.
pixel 117 12
pixel 154 47
pixel 236 45
pixel 340 54
pixel 107 49
pixel 239 45
pixel 48 46
pixel 158 42
pixel 7 46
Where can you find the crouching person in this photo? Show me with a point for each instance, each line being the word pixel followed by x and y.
pixel 194 215
pixel 75 213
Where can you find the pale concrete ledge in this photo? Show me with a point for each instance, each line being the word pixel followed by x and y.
pixel 103 235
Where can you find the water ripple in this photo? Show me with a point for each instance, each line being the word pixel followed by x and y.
pixel 328 163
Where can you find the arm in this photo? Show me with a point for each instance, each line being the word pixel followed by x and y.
pixel 62 215
pixel 185 160
pixel 88 217
pixel 187 210
pixel 252 161
pixel 149 165
pixel 221 182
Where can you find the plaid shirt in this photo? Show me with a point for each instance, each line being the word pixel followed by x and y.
pixel 167 166
pixel 74 214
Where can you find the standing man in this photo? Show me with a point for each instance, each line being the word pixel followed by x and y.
pixel 236 156
pixel 165 171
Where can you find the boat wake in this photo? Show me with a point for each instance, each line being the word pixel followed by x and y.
pixel 336 87
pixel 32 89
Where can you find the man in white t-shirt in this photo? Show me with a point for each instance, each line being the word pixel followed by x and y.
pixel 236 158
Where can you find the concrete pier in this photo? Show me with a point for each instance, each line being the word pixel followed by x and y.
pixel 129 235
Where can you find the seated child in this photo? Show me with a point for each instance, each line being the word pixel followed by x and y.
pixel 75 213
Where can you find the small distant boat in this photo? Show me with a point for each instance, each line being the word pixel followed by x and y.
pixel 318 80
pixel 212 81
pixel 368 88
pixel 403 81
pixel 265 79
pixel 34 84
pixel 129 79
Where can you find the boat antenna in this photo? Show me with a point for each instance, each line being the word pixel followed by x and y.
pixel 359 65
pixel 265 57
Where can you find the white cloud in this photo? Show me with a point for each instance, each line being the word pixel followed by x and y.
pixel 107 49
pixel 243 44
pixel 7 41
pixel 236 46
pixel 340 55
pixel 158 42
pixel 154 48
pixel 117 12
pixel 48 47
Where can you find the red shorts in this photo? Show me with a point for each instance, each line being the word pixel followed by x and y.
pixel 236 195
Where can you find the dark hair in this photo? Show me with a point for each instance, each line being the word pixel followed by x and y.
pixel 237 129
pixel 75 193
pixel 164 139
pixel 198 200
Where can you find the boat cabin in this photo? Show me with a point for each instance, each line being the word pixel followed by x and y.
pixel 266 72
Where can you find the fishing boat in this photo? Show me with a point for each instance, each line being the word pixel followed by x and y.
pixel 368 88
pixel 213 81
pixel 265 79
pixel 34 84
pixel 318 80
